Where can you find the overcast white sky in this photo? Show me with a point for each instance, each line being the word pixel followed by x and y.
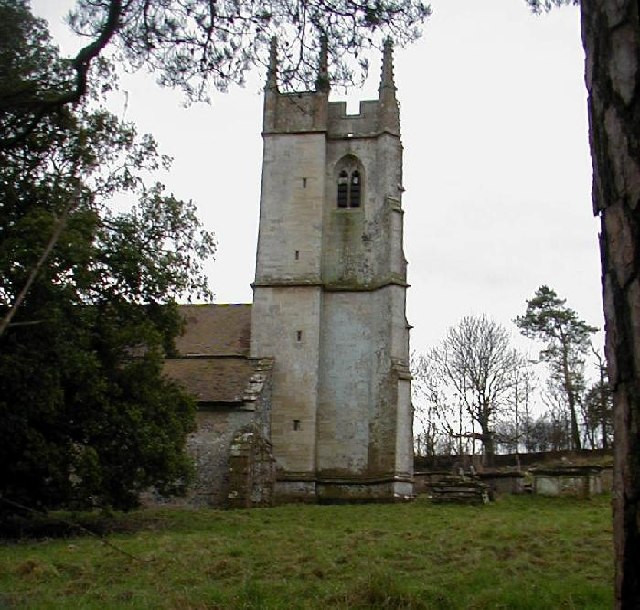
pixel 496 165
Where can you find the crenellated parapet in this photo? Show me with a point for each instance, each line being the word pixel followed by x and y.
pixel 367 123
pixel 293 113
pixel 374 116
pixel 311 111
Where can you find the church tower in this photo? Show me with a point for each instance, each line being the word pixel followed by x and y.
pixel 330 291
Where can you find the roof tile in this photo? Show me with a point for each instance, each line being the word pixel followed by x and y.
pixel 211 379
pixel 215 330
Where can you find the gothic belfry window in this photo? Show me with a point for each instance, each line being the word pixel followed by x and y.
pixel 349 183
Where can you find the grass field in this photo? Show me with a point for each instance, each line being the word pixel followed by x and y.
pixel 519 552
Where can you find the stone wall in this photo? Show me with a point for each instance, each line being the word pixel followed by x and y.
pixel 251 470
pixel 286 324
pixel 292 193
pixel 354 356
pixel 448 462
pixel 578 481
pixel 354 492
pixel 217 428
pixel 503 482
pixel 363 246
pixel 364 123
pixel 287 292
pixel 297 112
pixel 209 446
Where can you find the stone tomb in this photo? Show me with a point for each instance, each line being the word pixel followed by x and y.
pixel 580 481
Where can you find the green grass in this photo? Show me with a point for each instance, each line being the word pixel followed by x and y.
pixel 519 552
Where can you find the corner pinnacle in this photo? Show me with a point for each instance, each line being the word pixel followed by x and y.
pixel 322 81
pixel 272 74
pixel 389 120
pixel 387 78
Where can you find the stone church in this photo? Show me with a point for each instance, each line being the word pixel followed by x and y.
pixel 305 394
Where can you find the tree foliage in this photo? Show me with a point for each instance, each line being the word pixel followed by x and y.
pixel 195 45
pixel 86 415
pixel 539 6
pixel 434 411
pixel 567 339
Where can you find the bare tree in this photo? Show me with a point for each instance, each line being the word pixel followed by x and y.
pixel 434 411
pixel 549 431
pixel 513 426
pixel 479 367
pixel 557 422
pixel 597 407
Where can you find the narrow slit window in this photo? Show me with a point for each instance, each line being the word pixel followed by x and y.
pixel 297 255
pixel 355 190
pixel 298 335
pixel 304 183
pixel 296 424
pixel 343 189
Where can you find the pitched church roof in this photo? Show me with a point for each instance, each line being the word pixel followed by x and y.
pixel 213 353
pixel 215 330
pixel 211 380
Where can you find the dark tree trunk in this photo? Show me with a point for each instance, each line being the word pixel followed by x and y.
pixel 489 450
pixel 611 38
pixel 488 441
pixel 573 422
pixel 571 399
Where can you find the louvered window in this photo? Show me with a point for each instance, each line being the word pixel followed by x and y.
pixel 354 190
pixel 343 189
pixel 349 189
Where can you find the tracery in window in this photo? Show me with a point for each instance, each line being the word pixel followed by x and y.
pixel 349 183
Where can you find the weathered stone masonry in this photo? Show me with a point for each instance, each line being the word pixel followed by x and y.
pixel 327 347
pixel 233 392
pixel 329 294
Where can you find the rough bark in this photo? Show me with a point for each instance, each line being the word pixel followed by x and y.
pixel 611 38
pixel 488 448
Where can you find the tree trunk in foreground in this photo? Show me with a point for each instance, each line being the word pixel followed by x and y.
pixel 611 39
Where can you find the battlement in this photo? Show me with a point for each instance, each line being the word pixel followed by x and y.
pixel 311 111
pixel 300 112
pixel 365 123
